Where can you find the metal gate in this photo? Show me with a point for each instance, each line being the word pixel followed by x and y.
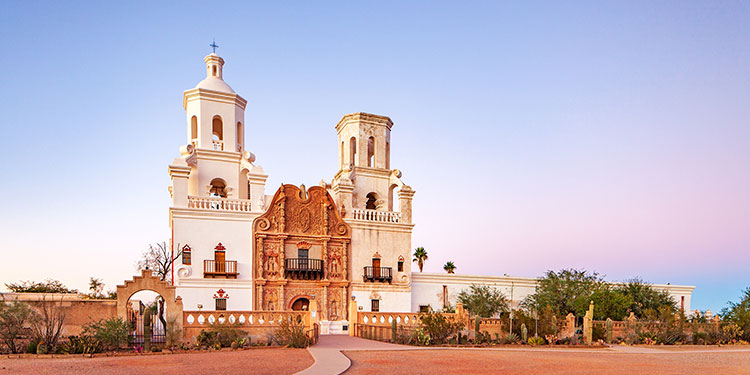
pixel 137 329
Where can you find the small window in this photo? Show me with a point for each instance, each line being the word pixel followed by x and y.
pixel 400 266
pixel 187 255
pixel 375 305
pixel 221 304
pixel 303 253
pixel 424 308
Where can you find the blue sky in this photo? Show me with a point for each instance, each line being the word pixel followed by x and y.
pixel 610 136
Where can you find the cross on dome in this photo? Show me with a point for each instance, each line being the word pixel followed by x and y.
pixel 214 45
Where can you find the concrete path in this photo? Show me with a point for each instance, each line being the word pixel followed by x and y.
pixel 329 359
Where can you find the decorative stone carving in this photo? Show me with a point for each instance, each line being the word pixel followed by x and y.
pixel 295 211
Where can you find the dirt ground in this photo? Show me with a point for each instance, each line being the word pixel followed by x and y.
pixel 254 361
pixel 466 362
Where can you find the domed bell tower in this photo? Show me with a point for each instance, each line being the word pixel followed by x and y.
pixel 215 129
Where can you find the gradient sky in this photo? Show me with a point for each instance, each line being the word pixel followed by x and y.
pixel 610 136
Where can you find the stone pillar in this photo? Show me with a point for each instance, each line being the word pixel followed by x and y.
pixel 570 325
pixel 179 189
pixel 588 324
pixel 256 179
pixel 353 319
pixel 405 196
pixel 344 192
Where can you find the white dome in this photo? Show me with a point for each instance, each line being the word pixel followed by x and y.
pixel 215 84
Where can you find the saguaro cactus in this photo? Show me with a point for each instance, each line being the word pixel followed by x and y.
pixel 147 331
pixel 524 332
pixel 394 328
pixel 609 331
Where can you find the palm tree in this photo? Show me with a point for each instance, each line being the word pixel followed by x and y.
pixel 420 255
pixel 449 267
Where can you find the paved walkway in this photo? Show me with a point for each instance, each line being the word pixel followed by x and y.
pixel 329 358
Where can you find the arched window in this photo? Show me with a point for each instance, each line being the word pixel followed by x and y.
pixel 218 188
pixel 217 133
pixel 341 156
pixel 371 152
pixel 352 150
pixel 194 128
pixel 372 199
pixel 187 255
pixel 214 70
pixel 392 199
pixel 217 128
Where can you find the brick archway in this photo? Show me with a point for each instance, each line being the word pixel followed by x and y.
pixel 147 281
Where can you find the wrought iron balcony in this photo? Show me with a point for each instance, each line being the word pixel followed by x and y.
pixel 303 268
pixel 213 269
pixel 382 274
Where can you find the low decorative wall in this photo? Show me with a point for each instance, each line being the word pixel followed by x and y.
pixel 258 324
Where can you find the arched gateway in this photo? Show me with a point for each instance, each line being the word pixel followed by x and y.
pixel 147 281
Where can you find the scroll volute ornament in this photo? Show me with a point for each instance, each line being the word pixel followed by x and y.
pixel 311 212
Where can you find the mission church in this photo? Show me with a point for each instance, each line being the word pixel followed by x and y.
pixel 348 240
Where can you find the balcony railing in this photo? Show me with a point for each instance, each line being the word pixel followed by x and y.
pixel 382 274
pixel 375 215
pixel 214 269
pixel 218 145
pixel 220 204
pixel 303 268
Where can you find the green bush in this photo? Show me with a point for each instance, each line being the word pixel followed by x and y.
pixel 536 340
pixel 291 334
pixel 80 345
pixel 221 336
pixel 111 332
pixel 438 327
pixel 13 317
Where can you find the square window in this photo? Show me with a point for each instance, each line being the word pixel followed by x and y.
pixel 400 266
pixel 375 305
pixel 221 304
pixel 303 253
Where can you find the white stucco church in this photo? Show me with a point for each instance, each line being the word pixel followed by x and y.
pixel 246 247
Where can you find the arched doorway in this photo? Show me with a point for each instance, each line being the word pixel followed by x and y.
pixel 146 312
pixel 301 304
pixel 167 306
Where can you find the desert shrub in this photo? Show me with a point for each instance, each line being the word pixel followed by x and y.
pixel 220 336
pixel 291 334
pixel 510 338
pixel 406 336
pixel 13 317
pixel 80 345
pixel 484 301
pixel 438 327
pixel 731 333
pixel 46 326
pixel 536 340
pixel 46 286
pixel 598 333
pixel 423 337
pixel 111 332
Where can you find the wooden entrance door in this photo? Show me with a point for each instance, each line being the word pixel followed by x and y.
pixel 376 268
pixel 220 259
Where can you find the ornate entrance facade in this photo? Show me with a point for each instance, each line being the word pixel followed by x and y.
pixel 301 252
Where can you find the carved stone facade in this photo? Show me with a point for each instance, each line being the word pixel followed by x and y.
pixel 301 247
